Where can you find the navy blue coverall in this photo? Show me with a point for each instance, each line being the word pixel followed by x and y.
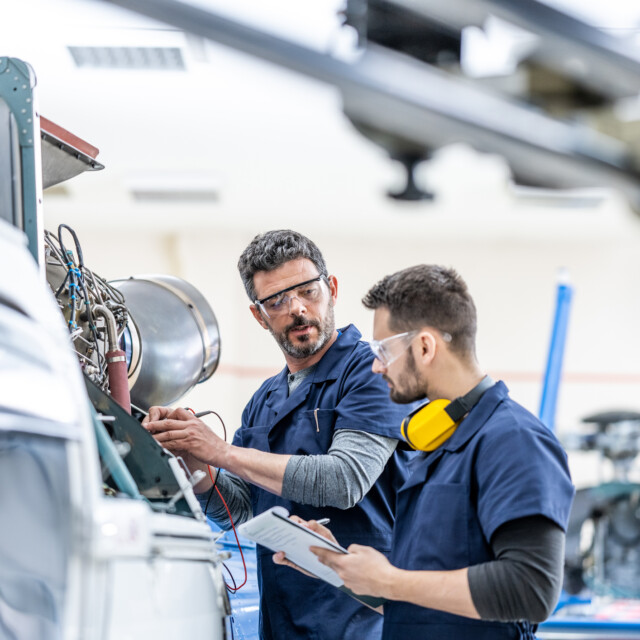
pixel 341 393
pixel 501 464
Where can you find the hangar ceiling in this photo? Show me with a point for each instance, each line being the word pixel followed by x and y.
pixel 183 122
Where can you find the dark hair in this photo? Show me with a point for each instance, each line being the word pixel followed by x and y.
pixel 270 250
pixel 428 296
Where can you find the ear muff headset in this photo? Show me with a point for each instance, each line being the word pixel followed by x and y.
pixel 431 424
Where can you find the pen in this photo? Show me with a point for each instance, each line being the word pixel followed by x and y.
pixel 323 521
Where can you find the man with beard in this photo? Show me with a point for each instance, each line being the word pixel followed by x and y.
pixel 478 544
pixel 319 439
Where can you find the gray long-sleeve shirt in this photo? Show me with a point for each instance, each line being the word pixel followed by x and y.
pixel 340 478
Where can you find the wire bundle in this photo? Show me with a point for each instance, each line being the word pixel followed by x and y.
pixel 87 302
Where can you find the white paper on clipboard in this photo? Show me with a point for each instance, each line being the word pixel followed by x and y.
pixel 274 530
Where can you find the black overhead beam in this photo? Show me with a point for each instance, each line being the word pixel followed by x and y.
pixel 415 104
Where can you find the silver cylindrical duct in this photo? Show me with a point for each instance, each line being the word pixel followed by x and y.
pixel 172 339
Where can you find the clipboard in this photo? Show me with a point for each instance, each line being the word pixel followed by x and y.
pixel 274 530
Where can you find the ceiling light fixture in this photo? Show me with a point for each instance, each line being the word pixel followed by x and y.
pixel 139 58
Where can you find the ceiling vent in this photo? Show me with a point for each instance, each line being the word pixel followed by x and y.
pixel 194 196
pixel 173 186
pixel 140 58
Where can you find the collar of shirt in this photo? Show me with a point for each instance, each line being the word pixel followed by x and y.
pixel 330 366
pixel 294 380
pixel 477 417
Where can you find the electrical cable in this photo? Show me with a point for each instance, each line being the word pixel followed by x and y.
pixel 64 282
pixel 206 506
pixel 92 326
pixel 224 430
pixel 234 589
pixel 215 487
pixel 201 414
pixel 81 289
pixel 72 293
pixel 85 291
pixel 75 240
pixel 235 533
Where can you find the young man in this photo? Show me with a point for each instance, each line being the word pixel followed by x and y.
pixel 319 438
pixel 479 535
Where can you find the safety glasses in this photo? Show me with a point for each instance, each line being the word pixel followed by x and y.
pixel 309 292
pixel 391 348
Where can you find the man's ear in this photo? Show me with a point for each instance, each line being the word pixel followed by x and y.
pixel 427 347
pixel 333 287
pixel 258 316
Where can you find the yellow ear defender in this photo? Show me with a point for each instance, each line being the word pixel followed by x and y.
pixel 431 424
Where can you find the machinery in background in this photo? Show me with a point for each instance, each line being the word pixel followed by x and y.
pixel 601 595
pixel 602 552
pixel 102 535
pixel 603 537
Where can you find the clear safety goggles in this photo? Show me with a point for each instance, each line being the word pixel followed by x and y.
pixel 391 348
pixel 309 292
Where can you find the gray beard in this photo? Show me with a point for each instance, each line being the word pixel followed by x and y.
pixel 325 331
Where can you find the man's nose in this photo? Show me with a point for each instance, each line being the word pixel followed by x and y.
pixel 377 366
pixel 296 308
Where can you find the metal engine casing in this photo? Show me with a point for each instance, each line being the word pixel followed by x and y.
pixel 172 339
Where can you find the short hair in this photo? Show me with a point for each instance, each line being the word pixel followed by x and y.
pixel 270 250
pixel 428 296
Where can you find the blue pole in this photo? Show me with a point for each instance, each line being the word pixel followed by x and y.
pixel 553 371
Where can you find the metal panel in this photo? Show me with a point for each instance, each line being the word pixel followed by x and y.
pixel 64 155
pixel 10 169
pixel 17 81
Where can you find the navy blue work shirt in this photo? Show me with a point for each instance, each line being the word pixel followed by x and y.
pixel 501 464
pixel 342 392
